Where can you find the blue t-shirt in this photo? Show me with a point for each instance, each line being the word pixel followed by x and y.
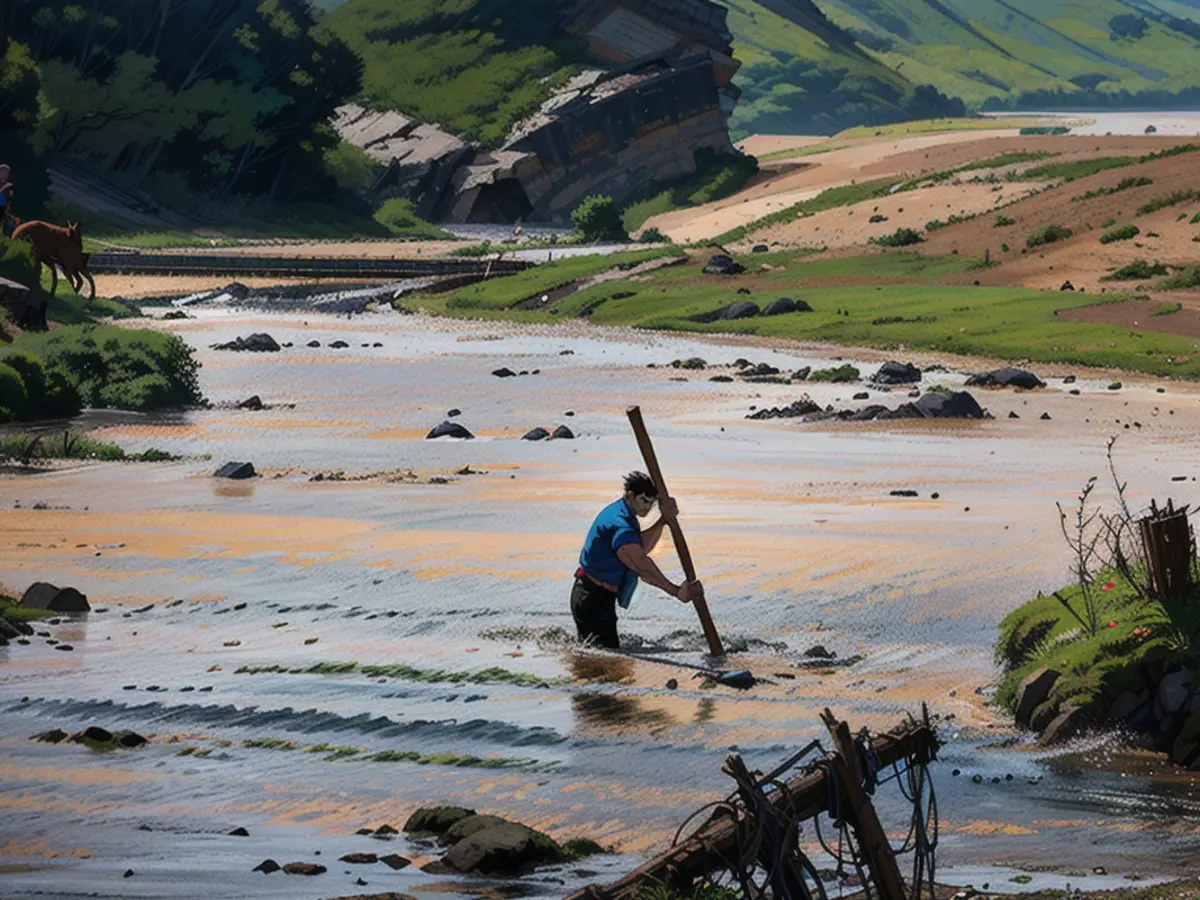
pixel 615 526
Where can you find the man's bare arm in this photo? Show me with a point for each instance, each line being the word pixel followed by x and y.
pixel 633 556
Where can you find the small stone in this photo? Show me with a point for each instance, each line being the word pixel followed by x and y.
pixel 267 866
pixel 1045 417
pixel 128 873
pixel 395 861
pixel 303 868
pixel 672 684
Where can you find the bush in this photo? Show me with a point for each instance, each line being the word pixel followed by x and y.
pixel 842 373
pixel 14 400
pixel 599 219
pixel 901 237
pixel 1182 281
pixel 1136 270
pixel 399 216
pixel 1120 234
pixel 16 262
pixel 1002 221
pixel 1048 235
pixel 1169 200
pixel 1044 129
pixel 875 219
pixel 106 366
pixel 654 236
pixel 32 376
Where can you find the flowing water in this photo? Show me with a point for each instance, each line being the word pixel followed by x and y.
pixel 407 564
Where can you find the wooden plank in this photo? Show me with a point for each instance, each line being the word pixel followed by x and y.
pixel 716 840
pixel 715 646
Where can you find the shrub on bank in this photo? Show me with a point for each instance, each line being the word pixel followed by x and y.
pixel 14 399
pixel 1048 235
pixel 1124 233
pixel 901 237
pixel 107 367
pixel 598 218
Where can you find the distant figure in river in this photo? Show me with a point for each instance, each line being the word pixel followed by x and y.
pixel 7 220
pixel 615 555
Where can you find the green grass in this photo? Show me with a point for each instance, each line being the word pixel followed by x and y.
pixel 501 293
pixel 1166 309
pixel 837 375
pixel 813 150
pixel 929 126
pixel 830 198
pixel 493 675
pixel 890 299
pixel 27 448
pixel 1069 171
pixel 1172 199
pixel 717 176
pixel 1124 233
pixel 1123 185
pixel 400 218
pixel 1006 159
pixel 15 613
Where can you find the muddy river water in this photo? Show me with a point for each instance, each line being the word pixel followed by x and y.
pixel 794 529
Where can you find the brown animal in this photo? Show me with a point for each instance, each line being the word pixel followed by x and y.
pixel 54 246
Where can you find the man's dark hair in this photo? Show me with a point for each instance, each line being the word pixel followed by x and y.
pixel 640 483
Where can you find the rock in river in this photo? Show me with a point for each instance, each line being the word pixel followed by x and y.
pixel 449 429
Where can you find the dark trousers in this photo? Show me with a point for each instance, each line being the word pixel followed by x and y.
pixel 595 612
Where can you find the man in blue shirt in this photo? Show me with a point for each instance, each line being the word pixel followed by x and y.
pixel 615 555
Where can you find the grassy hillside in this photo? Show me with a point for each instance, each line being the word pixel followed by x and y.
pixel 982 49
pixel 475 67
pixel 802 74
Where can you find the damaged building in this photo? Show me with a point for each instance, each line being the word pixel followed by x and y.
pixel 661 89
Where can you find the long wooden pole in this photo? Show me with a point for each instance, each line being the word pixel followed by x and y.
pixel 681 548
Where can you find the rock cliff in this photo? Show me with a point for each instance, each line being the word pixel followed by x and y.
pixel 656 86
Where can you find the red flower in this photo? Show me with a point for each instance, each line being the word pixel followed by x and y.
pixel 1113 624
pixel 1109 586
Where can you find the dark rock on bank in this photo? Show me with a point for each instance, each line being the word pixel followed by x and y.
pixel 1006 377
pixel 435 820
pixel 42 595
pixel 464 828
pixel 507 849
pixel 303 868
pixel 723 264
pixel 896 373
pixel 563 433
pixel 785 305
pixel 535 434
pixel 743 309
pixel 267 866
pixel 260 342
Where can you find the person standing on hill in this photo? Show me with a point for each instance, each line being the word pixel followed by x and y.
pixel 615 555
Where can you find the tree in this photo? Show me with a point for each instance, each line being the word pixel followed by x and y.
pixel 598 219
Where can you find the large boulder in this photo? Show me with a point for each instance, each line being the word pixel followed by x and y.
pixel 507 849
pixel 563 433
pixel 1006 377
pixel 260 342
pixel 1173 692
pixel 235 470
pixel 435 819
pixel 42 595
pixel 743 309
pixel 958 405
pixel 896 373
pixel 723 264
pixel 449 429
pixel 464 828
pixel 786 305
pixel 1069 723
pixel 1032 692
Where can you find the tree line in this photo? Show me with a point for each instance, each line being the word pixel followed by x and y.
pixel 227 96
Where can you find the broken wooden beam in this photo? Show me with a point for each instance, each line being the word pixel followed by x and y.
pixel 715 843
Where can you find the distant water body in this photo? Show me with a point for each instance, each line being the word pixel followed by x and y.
pixel 1167 123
